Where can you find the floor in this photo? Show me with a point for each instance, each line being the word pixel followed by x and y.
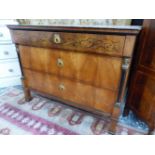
pixel 42 116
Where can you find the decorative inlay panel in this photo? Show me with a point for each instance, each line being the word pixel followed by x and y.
pixel 94 43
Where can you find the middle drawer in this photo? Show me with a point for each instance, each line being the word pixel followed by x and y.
pixel 97 70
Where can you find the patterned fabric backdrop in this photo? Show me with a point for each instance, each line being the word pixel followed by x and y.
pixel 74 21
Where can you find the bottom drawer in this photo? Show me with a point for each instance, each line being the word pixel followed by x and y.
pixel 78 93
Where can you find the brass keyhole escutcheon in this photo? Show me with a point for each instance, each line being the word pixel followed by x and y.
pixel 60 62
pixel 61 87
pixel 57 39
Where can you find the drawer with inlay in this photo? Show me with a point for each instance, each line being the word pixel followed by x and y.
pixel 94 43
pixel 82 94
pixel 96 70
pixel 8 51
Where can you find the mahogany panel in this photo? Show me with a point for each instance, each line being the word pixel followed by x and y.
pixel 143 98
pixel 141 94
pixel 147 58
pixel 96 70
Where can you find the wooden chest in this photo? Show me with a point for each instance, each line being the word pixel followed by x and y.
pixel 86 67
pixel 141 94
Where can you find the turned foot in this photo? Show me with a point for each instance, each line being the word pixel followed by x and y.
pixel 112 128
pixel 126 112
pixel 27 94
pixel 114 118
pixel 151 128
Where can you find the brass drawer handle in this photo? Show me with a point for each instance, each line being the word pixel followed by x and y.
pixel 60 62
pixel 61 87
pixel 1 34
pixel 56 38
pixel 6 52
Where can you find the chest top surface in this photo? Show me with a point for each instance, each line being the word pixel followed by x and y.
pixel 81 29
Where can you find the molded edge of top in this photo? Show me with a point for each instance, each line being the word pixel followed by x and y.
pixel 80 28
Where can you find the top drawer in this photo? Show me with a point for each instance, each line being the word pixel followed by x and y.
pixel 4 34
pixel 94 43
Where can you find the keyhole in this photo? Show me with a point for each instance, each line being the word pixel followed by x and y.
pixel 60 62
pixel 57 38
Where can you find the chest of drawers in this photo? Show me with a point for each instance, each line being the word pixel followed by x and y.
pixel 86 67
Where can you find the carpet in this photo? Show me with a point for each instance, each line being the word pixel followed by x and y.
pixel 42 116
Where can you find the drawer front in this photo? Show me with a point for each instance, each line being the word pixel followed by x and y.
pixel 8 51
pixel 8 69
pixel 4 34
pixel 96 70
pixel 85 95
pixel 94 43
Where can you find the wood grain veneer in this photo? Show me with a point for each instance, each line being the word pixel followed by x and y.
pixel 86 67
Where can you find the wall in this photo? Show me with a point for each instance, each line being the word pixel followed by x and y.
pixel 74 21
